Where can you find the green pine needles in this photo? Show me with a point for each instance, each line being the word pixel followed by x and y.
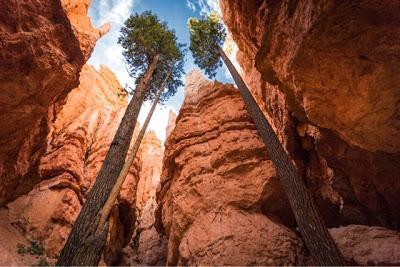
pixel 206 36
pixel 144 36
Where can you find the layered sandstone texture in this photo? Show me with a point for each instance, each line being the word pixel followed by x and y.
pixel 147 247
pixel 43 46
pixel 218 184
pixel 327 76
pixel 76 146
pixel 368 245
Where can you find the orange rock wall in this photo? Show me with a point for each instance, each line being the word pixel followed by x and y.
pixel 43 46
pixel 218 185
pixel 326 76
pixel 147 244
pixel 78 141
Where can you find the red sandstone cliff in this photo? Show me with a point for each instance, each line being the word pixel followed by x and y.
pixel 216 181
pixel 43 45
pixel 76 146
pixel 326 75
pixel 147 247
pixel 220 202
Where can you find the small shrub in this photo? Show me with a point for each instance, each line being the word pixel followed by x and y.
pixel 21 249
pixel 34 249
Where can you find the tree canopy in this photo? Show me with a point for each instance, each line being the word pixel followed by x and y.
pixel 175 70
pixel 206 36
pixel 144 36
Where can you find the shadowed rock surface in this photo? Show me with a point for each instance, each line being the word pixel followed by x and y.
pixel 326 76
pixel 44 45
pixel 147 247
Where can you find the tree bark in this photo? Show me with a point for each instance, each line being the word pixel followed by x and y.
pixel 79 248
pixel 105 212
pixel 315 235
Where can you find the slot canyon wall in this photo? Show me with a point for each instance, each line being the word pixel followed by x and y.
pixel 58 118
pixel 217 181
pixel 221 203
pixel 327 77
pixel 76 146
pixel 44 45
pixel 147 246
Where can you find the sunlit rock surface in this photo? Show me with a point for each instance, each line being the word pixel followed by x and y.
pixel 148 247
pixel 78 141
pixel 218 185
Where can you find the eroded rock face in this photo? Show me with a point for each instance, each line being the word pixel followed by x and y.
pixel 10 240
pixel 326 78
pixel 149 244
pixel 78 141
pixel 366 245
pixel 171 122
pixel 151 152
pixel 76 11
pixel 147 247
pixel 218 183
pixel 43 45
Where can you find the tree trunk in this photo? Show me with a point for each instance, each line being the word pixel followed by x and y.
pixel 312 228
pixel 105 212
pixel 79 248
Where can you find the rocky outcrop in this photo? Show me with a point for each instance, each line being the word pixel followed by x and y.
pixel 363 245
pixel 171 122
pixel 43 46
pixel 78 141
pixel 76 11
pixel 151 155
pixel 147 247
pixel 218 185
pixel 325 75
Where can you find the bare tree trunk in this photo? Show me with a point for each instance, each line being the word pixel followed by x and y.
pixel 312 228
pixel 79 248
pixel 105 212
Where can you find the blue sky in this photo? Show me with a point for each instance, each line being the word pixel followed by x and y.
pixel 175 13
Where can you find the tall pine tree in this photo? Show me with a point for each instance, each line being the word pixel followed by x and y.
pixel 206 37
pixel 148 44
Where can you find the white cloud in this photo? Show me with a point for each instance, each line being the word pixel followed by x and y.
pixel 109 52
pixel 191 5
pixel 206 6
pixel 114 11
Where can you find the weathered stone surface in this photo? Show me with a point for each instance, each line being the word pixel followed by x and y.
pixel 234 237
pixel 217 184
pixel 43 45
pixel 76 11
pixel 325 75
pixel 364 245
pixel 10 240
pixel 76 146
pixel 147 247
pixel 151 155
pixel 171 122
